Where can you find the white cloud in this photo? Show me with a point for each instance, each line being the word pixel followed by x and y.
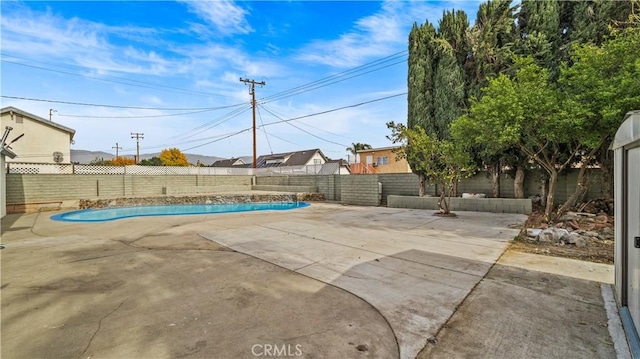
pixel 380 34
pixel 225 15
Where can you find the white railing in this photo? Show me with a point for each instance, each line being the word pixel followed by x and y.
pixel 50 168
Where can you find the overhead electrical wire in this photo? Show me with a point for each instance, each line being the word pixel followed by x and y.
pixel 335 109
pixel 305 131
pixel 123 107
pixel 265 132
pixel 296 118
pixel 280 138
pixel 147 116
pixel 220 139
pixel 213 123
pixel 105 79
pixel 308 125
pixel 342 76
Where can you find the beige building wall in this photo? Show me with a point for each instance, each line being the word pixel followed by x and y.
pixel 40 139
pixel 317 159
pixel 376 156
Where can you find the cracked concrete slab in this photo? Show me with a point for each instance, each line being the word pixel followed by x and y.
pixel 152 288
pixel 413 267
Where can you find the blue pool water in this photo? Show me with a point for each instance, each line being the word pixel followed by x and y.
pixel 110 214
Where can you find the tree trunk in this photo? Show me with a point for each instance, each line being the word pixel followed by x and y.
pixel 518 182
pixel 443 206
pixel 422 185
pixel 582 186
pixel 548 210
pixel 544 183
pixel 605 159
pixel 494 171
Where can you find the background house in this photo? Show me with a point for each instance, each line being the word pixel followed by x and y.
pixel 286 159
pixel 229 163
pixel 44 141
pixel 4 153
pixel 379 160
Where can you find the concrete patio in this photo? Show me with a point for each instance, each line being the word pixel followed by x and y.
pixel 324 281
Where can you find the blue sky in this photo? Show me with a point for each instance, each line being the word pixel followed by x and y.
pixel 171 70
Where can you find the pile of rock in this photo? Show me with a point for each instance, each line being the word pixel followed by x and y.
pixel 574 228
pixel 599 205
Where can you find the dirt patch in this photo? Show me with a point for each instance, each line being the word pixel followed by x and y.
pixel 595 250
pixel 595 231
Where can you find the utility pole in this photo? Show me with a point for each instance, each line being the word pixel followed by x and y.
pixel 138 136
pixel 253 84
pixel 117 148
pixel 51 111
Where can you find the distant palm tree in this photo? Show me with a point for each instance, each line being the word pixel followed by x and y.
pixel 355 147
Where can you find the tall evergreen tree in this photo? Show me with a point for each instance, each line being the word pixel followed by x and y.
pixel 539 34
pixel 490 43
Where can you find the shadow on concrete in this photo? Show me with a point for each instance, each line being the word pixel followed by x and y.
pixel 519 313
pixel 109 299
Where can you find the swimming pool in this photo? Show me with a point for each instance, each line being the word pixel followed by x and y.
pixel 110 214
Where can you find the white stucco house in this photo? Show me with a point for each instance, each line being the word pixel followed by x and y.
pixel 44 141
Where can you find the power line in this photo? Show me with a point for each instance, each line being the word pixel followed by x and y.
pixel 306 124
pixel 265 132
pixel 149 84
pixel 335 109
pixel 299 117
pixel 280 138
pixel 303 130
pixel 213 123
pixel 117 106
pixel 219 139
pixel 316 84
pixel 147 116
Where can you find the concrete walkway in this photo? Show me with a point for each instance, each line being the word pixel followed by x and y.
pixel 533 306
pixel 332 281
pixel 413 267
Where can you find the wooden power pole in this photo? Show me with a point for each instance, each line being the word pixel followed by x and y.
pixel 138 136
pixel 117 148
pixel 253 84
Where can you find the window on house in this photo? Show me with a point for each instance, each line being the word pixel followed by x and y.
pixel 316 161
pixel 382 161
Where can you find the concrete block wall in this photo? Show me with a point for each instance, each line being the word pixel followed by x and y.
pixel 407 184
pixel 325 184
pixel 402 184
pixel 337 187
pixel 494 205
pixel 360 190
pixel 47 188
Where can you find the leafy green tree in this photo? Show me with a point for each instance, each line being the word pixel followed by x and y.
pixel 153 161
pixel 173 157
pixel 440 162
pixel 524 112
pixel 602 86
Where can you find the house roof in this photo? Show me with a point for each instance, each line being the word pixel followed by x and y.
pixel 228 163
pixel 298 158
pixel 379 149
pixel 58 126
